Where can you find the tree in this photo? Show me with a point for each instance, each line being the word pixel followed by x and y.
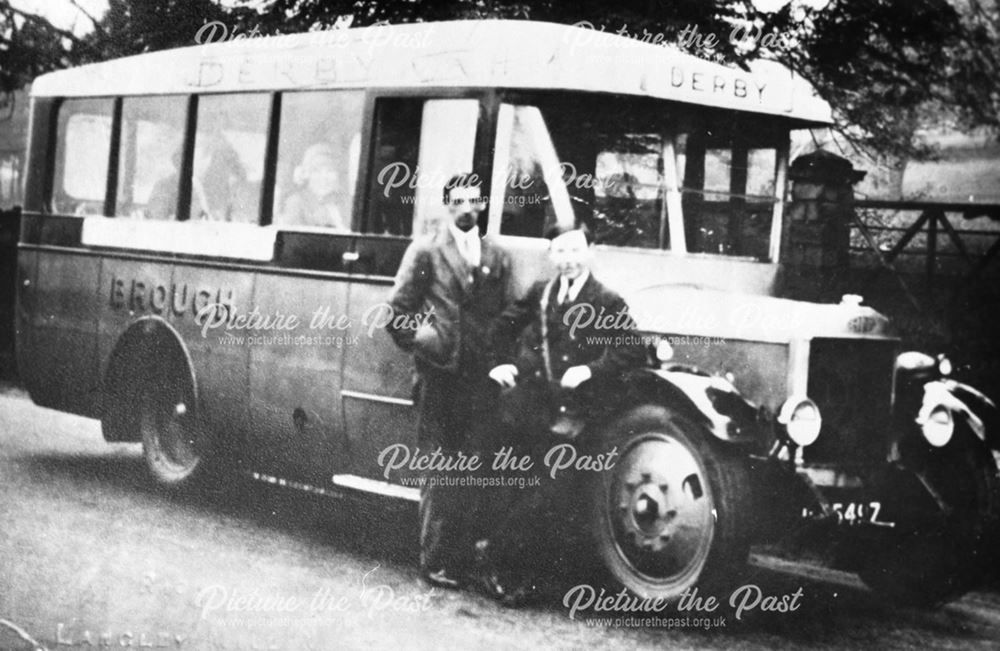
pixel 888 67
pixel 889 70
pixel 31 45
pixel 135 26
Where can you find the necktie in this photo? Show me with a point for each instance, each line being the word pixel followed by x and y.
pixel 465 247
pixel 563 291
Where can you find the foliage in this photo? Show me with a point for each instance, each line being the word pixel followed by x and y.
pixel 31 45
pixel 892 70
pixel 888 67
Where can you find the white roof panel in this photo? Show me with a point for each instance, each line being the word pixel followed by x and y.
pixel 454 54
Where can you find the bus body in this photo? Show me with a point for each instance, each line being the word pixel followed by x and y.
pixel 172 263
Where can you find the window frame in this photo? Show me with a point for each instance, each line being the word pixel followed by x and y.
pixel 187 167
pixel 771 133
pixel 273 152
pixel 114 170
pixel 52 173
pixel 481 153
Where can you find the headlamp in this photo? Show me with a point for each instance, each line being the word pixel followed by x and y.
pixel 938 426
pixel 801 419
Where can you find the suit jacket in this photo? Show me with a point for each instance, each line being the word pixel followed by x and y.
pixel 448 308
pixel 599 314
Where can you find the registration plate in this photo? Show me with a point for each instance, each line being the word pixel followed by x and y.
pixel 855 513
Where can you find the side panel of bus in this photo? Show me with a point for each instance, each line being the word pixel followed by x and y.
pixel 222 371
pixel 64 327
pixel 378 383
pixel 295 424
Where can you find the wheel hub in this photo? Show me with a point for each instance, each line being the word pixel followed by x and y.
pixel 650 511
pixel 175 436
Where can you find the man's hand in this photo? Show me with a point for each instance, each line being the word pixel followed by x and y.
pixel 505 375
pixel 574 377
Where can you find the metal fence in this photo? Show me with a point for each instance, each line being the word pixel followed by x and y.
pixel 927 247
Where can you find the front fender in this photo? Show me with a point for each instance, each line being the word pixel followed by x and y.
pixel 710 400
pixel 965 402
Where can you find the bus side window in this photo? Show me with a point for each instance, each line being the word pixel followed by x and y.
pixel 318 152
pixel 419 145
pixel 83 147
pixel 728 195
pixel 229 157
pixel 394 160
pixel 628 192
pixel 150 156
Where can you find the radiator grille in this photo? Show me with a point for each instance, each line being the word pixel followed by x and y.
pixel 851 381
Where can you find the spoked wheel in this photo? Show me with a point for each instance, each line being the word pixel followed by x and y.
pixel 935 563
pixel 668 515
pixel 173 441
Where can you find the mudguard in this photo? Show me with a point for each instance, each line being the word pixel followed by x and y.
pixel 149 348
pixel 712 400
pixel 965 402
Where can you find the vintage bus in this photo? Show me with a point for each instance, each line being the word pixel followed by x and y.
pixel 210 235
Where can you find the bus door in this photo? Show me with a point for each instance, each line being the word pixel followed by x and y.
pixel 418 144
pixel 296 355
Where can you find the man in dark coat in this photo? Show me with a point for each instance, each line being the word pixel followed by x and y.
pixel 589 337
pixel 454 285
pixel 577 344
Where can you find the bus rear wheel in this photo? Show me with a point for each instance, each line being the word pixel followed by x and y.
pixel 175 444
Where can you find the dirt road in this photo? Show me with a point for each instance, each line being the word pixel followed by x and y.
pixel 93 556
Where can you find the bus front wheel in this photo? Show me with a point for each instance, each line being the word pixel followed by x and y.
pixel 671 513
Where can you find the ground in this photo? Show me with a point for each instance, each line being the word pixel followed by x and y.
pixel 92 554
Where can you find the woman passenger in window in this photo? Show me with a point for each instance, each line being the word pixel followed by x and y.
pixel 316 203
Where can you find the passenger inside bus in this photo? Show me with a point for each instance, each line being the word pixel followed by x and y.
pixel 162 202
pixel 318 201
pixel 220 189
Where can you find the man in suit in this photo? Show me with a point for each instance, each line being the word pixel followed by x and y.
pixel 574 347
pixel 454 285
pixel 577 343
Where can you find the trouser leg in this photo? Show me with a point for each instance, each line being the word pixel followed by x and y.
pixel 450 409
pixel 435 553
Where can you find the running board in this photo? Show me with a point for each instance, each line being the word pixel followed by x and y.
pixel 378 487
pixel 350 482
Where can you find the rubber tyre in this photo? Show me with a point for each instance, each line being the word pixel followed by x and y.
pixel 672 513
pixel 175 444
pixel 929 567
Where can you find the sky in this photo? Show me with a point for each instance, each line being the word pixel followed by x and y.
pixel 62 13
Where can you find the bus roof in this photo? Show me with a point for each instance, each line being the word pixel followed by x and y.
pixel 453 54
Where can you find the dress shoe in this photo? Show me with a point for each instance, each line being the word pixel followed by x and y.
pixel 507 590
pixel 567 427
pixel 522 595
